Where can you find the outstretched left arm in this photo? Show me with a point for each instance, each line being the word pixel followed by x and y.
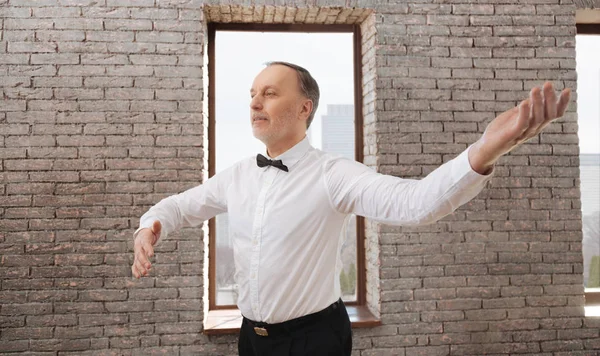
pixel 517 125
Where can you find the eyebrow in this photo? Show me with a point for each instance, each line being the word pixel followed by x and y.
pixel 266 87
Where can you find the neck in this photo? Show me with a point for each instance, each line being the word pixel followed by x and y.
pixel 281 147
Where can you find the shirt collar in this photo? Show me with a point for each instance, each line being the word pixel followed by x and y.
pixel 293 155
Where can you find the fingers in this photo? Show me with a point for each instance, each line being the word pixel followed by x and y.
pixel 535 116
pixel 143 268
pixel 544 109
pixel 537 102
pixel 563 102
pixel 148 249
pixel 549 102
pixel 523 121
pixel 142 251
pixel 140 268
pixel 134 271
pixel 141 262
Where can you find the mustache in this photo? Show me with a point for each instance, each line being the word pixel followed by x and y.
pixel 254 116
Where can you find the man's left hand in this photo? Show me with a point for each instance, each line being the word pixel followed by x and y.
pixel 517 125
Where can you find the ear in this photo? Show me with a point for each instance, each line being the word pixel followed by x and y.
pixel 306 109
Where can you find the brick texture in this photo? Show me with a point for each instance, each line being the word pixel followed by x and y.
pixel 101 117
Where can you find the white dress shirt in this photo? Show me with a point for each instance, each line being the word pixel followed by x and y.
pixel 286 226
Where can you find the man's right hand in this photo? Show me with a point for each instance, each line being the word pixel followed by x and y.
pixel 143 249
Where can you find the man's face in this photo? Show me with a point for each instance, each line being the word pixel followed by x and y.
pixel 276 108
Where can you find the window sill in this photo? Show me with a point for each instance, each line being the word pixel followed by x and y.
pixel 228 321
pixel 592 297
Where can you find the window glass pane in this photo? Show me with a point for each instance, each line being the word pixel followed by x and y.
pixel 338 137
pixel 588 108
pixel 240 56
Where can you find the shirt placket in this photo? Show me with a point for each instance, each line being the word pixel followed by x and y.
pixel 257 233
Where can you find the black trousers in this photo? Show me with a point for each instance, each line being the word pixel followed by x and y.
pixel 326 333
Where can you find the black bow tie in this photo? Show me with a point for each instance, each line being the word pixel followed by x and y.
pixel 263 161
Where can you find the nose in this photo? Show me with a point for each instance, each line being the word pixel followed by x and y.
pixel 256 103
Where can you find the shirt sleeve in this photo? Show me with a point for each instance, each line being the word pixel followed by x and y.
pixel 191 207
pixel 356 189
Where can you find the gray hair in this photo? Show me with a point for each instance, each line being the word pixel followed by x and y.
pixel 308 86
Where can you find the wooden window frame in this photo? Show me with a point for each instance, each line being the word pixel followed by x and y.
pixel 588 29
pixel 592 299
pixel 226 319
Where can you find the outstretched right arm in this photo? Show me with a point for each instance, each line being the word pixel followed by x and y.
pixel 189 208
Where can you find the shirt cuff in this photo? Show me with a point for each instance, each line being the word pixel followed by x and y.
pixel 137 231
pixel 464 156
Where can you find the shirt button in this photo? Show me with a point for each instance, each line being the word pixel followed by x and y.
pixel 255 242
pixel 253 276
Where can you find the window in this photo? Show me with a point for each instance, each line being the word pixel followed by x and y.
pixel 588 92
pixel 237 53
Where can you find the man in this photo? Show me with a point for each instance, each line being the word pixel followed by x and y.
pixel 286 213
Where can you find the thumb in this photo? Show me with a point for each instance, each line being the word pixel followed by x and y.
pixel 156 229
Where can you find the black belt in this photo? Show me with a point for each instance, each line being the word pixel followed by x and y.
pixel 286 327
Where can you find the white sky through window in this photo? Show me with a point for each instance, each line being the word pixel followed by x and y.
pixel 588 92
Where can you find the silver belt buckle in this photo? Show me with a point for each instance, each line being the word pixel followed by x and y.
pixel 261 331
